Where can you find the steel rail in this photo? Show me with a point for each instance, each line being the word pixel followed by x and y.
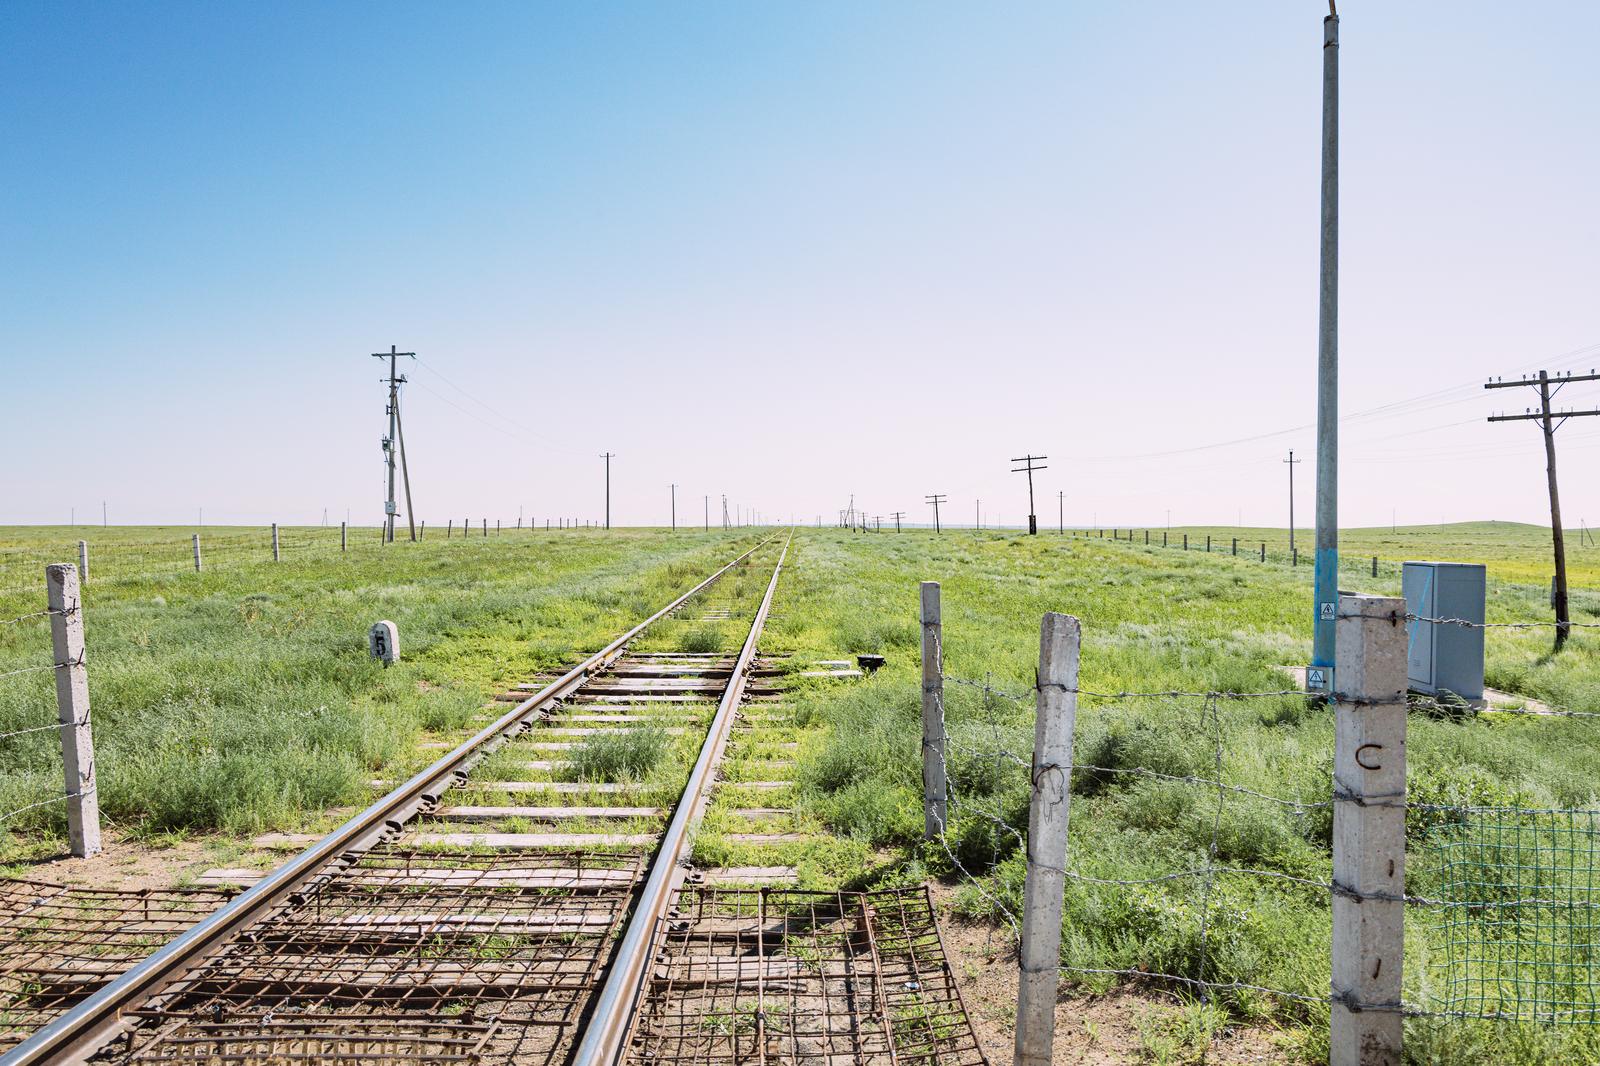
pixel 612 1014
pixel 79 1033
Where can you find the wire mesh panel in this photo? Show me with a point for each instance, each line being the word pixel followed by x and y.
pixel 404 956
pixel 790 976
pixel 1517 913
pixel 59 944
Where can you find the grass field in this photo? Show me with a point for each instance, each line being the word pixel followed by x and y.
pixel 242 698
pixel 1153 620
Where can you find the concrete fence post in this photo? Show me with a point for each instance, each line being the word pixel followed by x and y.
pixel 422 529
pixel 1374 566
pixel 1186 542
pixel 1039 957
pixel 83 561
pixel 1263 551
pixel 275 556
pixel 344 541
pixel 1236 545
pixel 1147 538
pixel 197 553
pixel 1208 543
pixel 72 706
pixel 496 527
pixel 486 527
pixel 1369 830
pixel 1163 539
pixel 1294 556
pixel 934 813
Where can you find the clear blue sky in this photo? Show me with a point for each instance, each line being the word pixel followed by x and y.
pixel 786 252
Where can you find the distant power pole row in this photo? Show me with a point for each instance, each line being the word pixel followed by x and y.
pixel 1550 421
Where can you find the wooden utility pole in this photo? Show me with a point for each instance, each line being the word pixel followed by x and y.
pixel 1028 468
pixel 674 507
pixel 1550 421
pixel 897 516
pixel 1291 462
pixel 936 499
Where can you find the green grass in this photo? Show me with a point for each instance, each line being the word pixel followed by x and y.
pixel 624 755
pixel 1153 620
pixel 242 698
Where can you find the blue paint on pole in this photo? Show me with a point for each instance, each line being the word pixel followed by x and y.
pixel 1326 595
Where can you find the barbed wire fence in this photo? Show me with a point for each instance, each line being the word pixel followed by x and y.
pixel 25 717
pixel 1503 901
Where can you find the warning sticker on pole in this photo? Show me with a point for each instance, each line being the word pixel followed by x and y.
pixel 1326 612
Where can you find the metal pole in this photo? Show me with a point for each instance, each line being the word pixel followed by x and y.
pixel 607 458
pixel 197 553
pixel 674 508
pixel 1325 582
pixel 1039 956
pixel 72 705
pixel 933 747
pixel 1369 832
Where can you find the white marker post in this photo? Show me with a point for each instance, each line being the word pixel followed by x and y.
pixel 72 705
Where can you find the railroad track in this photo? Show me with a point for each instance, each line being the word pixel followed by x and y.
pixel 495 908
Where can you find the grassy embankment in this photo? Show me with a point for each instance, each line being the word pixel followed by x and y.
pixel 1155 620
pixel 242 698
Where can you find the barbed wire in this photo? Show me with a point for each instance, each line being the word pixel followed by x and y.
pixel 8 816
pixel 79 661
pixel 43 728
pixel 1467 623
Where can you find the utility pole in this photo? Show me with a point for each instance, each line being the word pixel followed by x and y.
pixel 1061 513
pixel 1028 468
pixel 1325 575
pixel 936 499
pixel 608 456
pixel 707 500
pixel 724 510
pixel 1291 463
pixel 977 514
pixel 674 507
pixel 390 442
pixel 1547 421
pixel 897 516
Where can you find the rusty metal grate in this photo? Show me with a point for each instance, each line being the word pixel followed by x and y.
pixel 789 976
pixel 59 943
pixel 404 955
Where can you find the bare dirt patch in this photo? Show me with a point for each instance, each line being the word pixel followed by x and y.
pixel 1123 1026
